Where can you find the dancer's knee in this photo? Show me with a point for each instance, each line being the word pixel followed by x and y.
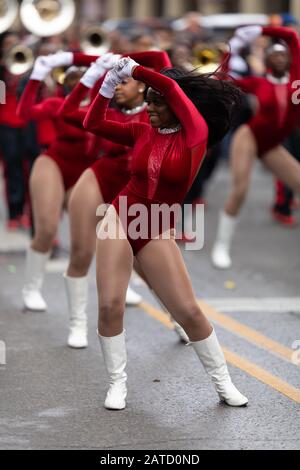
pixel 111 311
pixel 189 315
pixel 81 257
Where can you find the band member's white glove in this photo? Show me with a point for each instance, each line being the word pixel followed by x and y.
pixel 249 33
pixel 41 69
pixel 244 36
pixel 60 59
pixel 109 60
pixel 109 85
pixel 92 75
pixel 124 67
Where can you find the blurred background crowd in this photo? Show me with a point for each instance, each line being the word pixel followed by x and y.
pixel 194 32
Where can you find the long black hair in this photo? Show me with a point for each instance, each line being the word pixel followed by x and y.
pixel 215 96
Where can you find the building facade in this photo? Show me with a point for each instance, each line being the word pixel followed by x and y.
pixel 146 8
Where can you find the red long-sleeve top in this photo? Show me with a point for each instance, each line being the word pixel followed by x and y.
pixel 70 142
pixel 163 165
pixel 277 115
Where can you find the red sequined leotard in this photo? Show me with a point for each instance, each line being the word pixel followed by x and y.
pixel 163 165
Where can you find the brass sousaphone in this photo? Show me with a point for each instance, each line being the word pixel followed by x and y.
pixel 45 18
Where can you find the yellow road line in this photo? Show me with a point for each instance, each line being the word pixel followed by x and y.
pixel 263 376
pixel 251 335
pixel 249 367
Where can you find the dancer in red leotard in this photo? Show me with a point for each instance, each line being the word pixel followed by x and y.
pixel 187 112
pixel 99 184
pixel 53 176
pixel 278 114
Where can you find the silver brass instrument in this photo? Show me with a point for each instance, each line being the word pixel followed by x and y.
pixel 8 14
pixel 19 59
pixel 94 41
pixel 46 18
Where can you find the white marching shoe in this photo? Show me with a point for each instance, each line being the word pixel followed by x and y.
pixel 34 278
pixel 220 255
pixel 180 332
pixel 115 359
pixel 132 297
pixel 212 358
pixel 77 294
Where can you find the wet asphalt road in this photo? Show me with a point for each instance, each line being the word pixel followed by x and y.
pixel 52 397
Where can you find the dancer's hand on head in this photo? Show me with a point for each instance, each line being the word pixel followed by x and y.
pixel 60 59
pixel 92 75
pixel 41 69
pixel 124 68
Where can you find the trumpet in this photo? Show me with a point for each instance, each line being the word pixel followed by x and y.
pixel 8 14
pixel 19 60
pixel 94 41
pixel 46 18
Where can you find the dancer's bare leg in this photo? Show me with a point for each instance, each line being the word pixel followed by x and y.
pixel 114 267
pixel 82 207
pixel 47 195
pixel 283 165
pixel 164 268
pixel 177 328
pixel 242 157
pixel 83 204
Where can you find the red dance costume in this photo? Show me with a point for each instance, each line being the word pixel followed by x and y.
pixel 113 168
pixel 277 115
pixel 163 165
pixel 70 144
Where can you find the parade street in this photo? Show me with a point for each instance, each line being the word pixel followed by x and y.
pixel 51 397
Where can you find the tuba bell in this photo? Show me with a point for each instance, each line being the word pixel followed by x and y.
pixel 8 14
pixel 19 59
pixel 206 58
pixel 46 18
pixel 94 41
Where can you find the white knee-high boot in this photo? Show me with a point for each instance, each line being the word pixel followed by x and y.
pixel 132 298
pixel 77 293
pixel 212 358
pixel 115 359
pixel 34 278
pixel 221 258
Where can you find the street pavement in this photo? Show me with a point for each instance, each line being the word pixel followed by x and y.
pixel 51 397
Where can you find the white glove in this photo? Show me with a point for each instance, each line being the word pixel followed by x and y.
pixel 109 60
pixel 124 67
pixel 93 74
pixel 248 34
pixel 41 69
pixel 60 59
pixel 109 85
